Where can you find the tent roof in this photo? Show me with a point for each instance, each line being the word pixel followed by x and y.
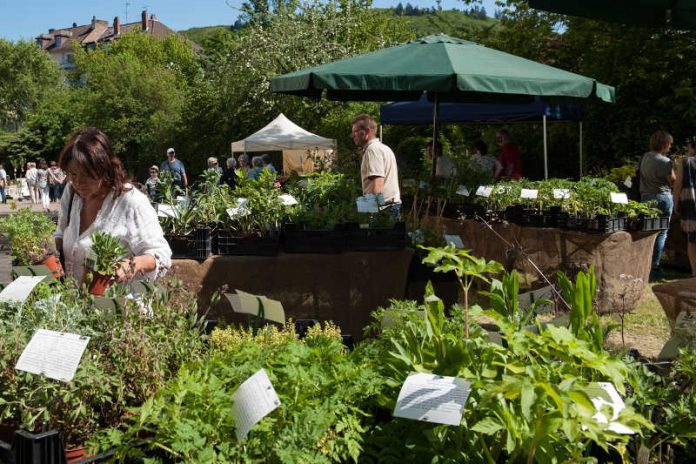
pixel 282 134
pixel 421 112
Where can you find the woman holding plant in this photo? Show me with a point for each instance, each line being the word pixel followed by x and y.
pixel 99 199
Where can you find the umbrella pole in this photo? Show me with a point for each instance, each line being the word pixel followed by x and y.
pixel 546 153
pixel 580 146
pixel 436 108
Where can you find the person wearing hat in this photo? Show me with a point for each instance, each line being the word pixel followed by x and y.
pixel 176 167
pixel 151 183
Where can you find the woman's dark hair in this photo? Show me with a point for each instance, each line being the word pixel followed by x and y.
pixel 481 147
pixel 90 150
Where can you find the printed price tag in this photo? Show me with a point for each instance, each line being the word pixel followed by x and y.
pixel 619 198
pixel 484 191
pixel 530 194
pixel 561 194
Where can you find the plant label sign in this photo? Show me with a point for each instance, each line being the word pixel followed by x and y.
pixel 246 303
pixel 368 204
pixel 456 240
pixel 561 194
pixel 167 211
pixel 628 182
pixel 603 394
pixel 288 200
pixel 619 198
pixel 484 191
pixel 433 398
pixel 253 400
pixel 55 355
pixel 462 190
pixel 240 210
pixel 19 289
pixel 530 194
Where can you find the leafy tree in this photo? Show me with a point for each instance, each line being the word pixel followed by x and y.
pixel 27 74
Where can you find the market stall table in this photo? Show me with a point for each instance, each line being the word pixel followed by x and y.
pixel 344 288
pixel 676 297
pixel 621 259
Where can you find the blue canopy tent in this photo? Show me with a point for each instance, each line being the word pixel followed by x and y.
pixel 421 112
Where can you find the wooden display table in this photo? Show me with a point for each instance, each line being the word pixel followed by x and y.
pixel 620 258
pixel 344 287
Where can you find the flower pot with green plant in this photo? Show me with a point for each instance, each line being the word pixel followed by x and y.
pixel 30 235
pixel 107 253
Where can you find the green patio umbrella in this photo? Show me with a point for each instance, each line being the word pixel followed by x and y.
pixel 447 69
pixel 451 69
pixel 653 13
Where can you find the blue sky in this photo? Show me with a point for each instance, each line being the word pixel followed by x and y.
pixel 25 19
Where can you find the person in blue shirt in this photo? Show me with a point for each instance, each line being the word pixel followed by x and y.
pixel 268 164
pixel 256 168
pixel 176 167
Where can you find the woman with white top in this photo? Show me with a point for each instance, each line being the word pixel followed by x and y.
pixel 30 177
pixel 42 183
pixel 98 198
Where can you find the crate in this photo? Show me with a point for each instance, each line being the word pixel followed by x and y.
pixel 606 224
pixel 299 240
pixel 375 239
pixel 183 246
pixel 229 244
pixel 204 242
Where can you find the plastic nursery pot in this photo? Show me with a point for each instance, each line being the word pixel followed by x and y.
pixel 99 284
pixel 53 265
pixel 75 455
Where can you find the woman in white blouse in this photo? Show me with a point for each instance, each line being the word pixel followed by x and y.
pixel 98 198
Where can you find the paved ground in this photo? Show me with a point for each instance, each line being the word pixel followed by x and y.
pixel 6 208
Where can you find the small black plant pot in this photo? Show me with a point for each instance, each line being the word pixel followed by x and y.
pixel 183 246
pixel 253 245
pixel 204 242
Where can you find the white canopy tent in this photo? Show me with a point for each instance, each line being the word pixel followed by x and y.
pixel 298 145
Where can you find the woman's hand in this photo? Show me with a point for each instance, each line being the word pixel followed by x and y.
pixel 131 268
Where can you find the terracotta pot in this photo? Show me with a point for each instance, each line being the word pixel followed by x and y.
pixel 99 284
pixel 53 265
pixel 75 454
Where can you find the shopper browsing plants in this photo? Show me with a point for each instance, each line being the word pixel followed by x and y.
pixel 98 199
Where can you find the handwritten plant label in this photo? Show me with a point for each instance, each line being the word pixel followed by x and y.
pixel 456 240
pixel 253 400
pixel 561 194
pixel 619 198
pixel 462 190
pixel 484 191
pixel 19 289
pixel 55 355
pixel 433 398
pixel 530 194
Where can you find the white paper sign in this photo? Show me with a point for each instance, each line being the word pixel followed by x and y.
pixel 619 198
pixel 247 303
pixel 561 194
pixel 484 191
pixel 167 210
pixel 531 194
pixel 462 190
pixel 432 398
pixel 456 240
pixel 240 210
pixel 604 394
pixel 628 182
pixel 288 200
pixel 53 354
pixel 253 400
pixel 367 204
pixel 19 289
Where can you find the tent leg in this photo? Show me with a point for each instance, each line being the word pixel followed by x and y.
pixel 546 152
pixel 436 109
pixel 580 148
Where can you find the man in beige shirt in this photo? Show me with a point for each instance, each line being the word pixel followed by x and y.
pixel 378 170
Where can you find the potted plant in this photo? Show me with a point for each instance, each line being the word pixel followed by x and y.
pixel 30 235
pixel 107 253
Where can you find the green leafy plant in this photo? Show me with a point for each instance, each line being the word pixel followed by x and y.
pixel 108 253
pixel 30 236
pixel 465 266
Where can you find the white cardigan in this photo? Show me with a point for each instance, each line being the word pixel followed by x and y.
pixel 129 217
